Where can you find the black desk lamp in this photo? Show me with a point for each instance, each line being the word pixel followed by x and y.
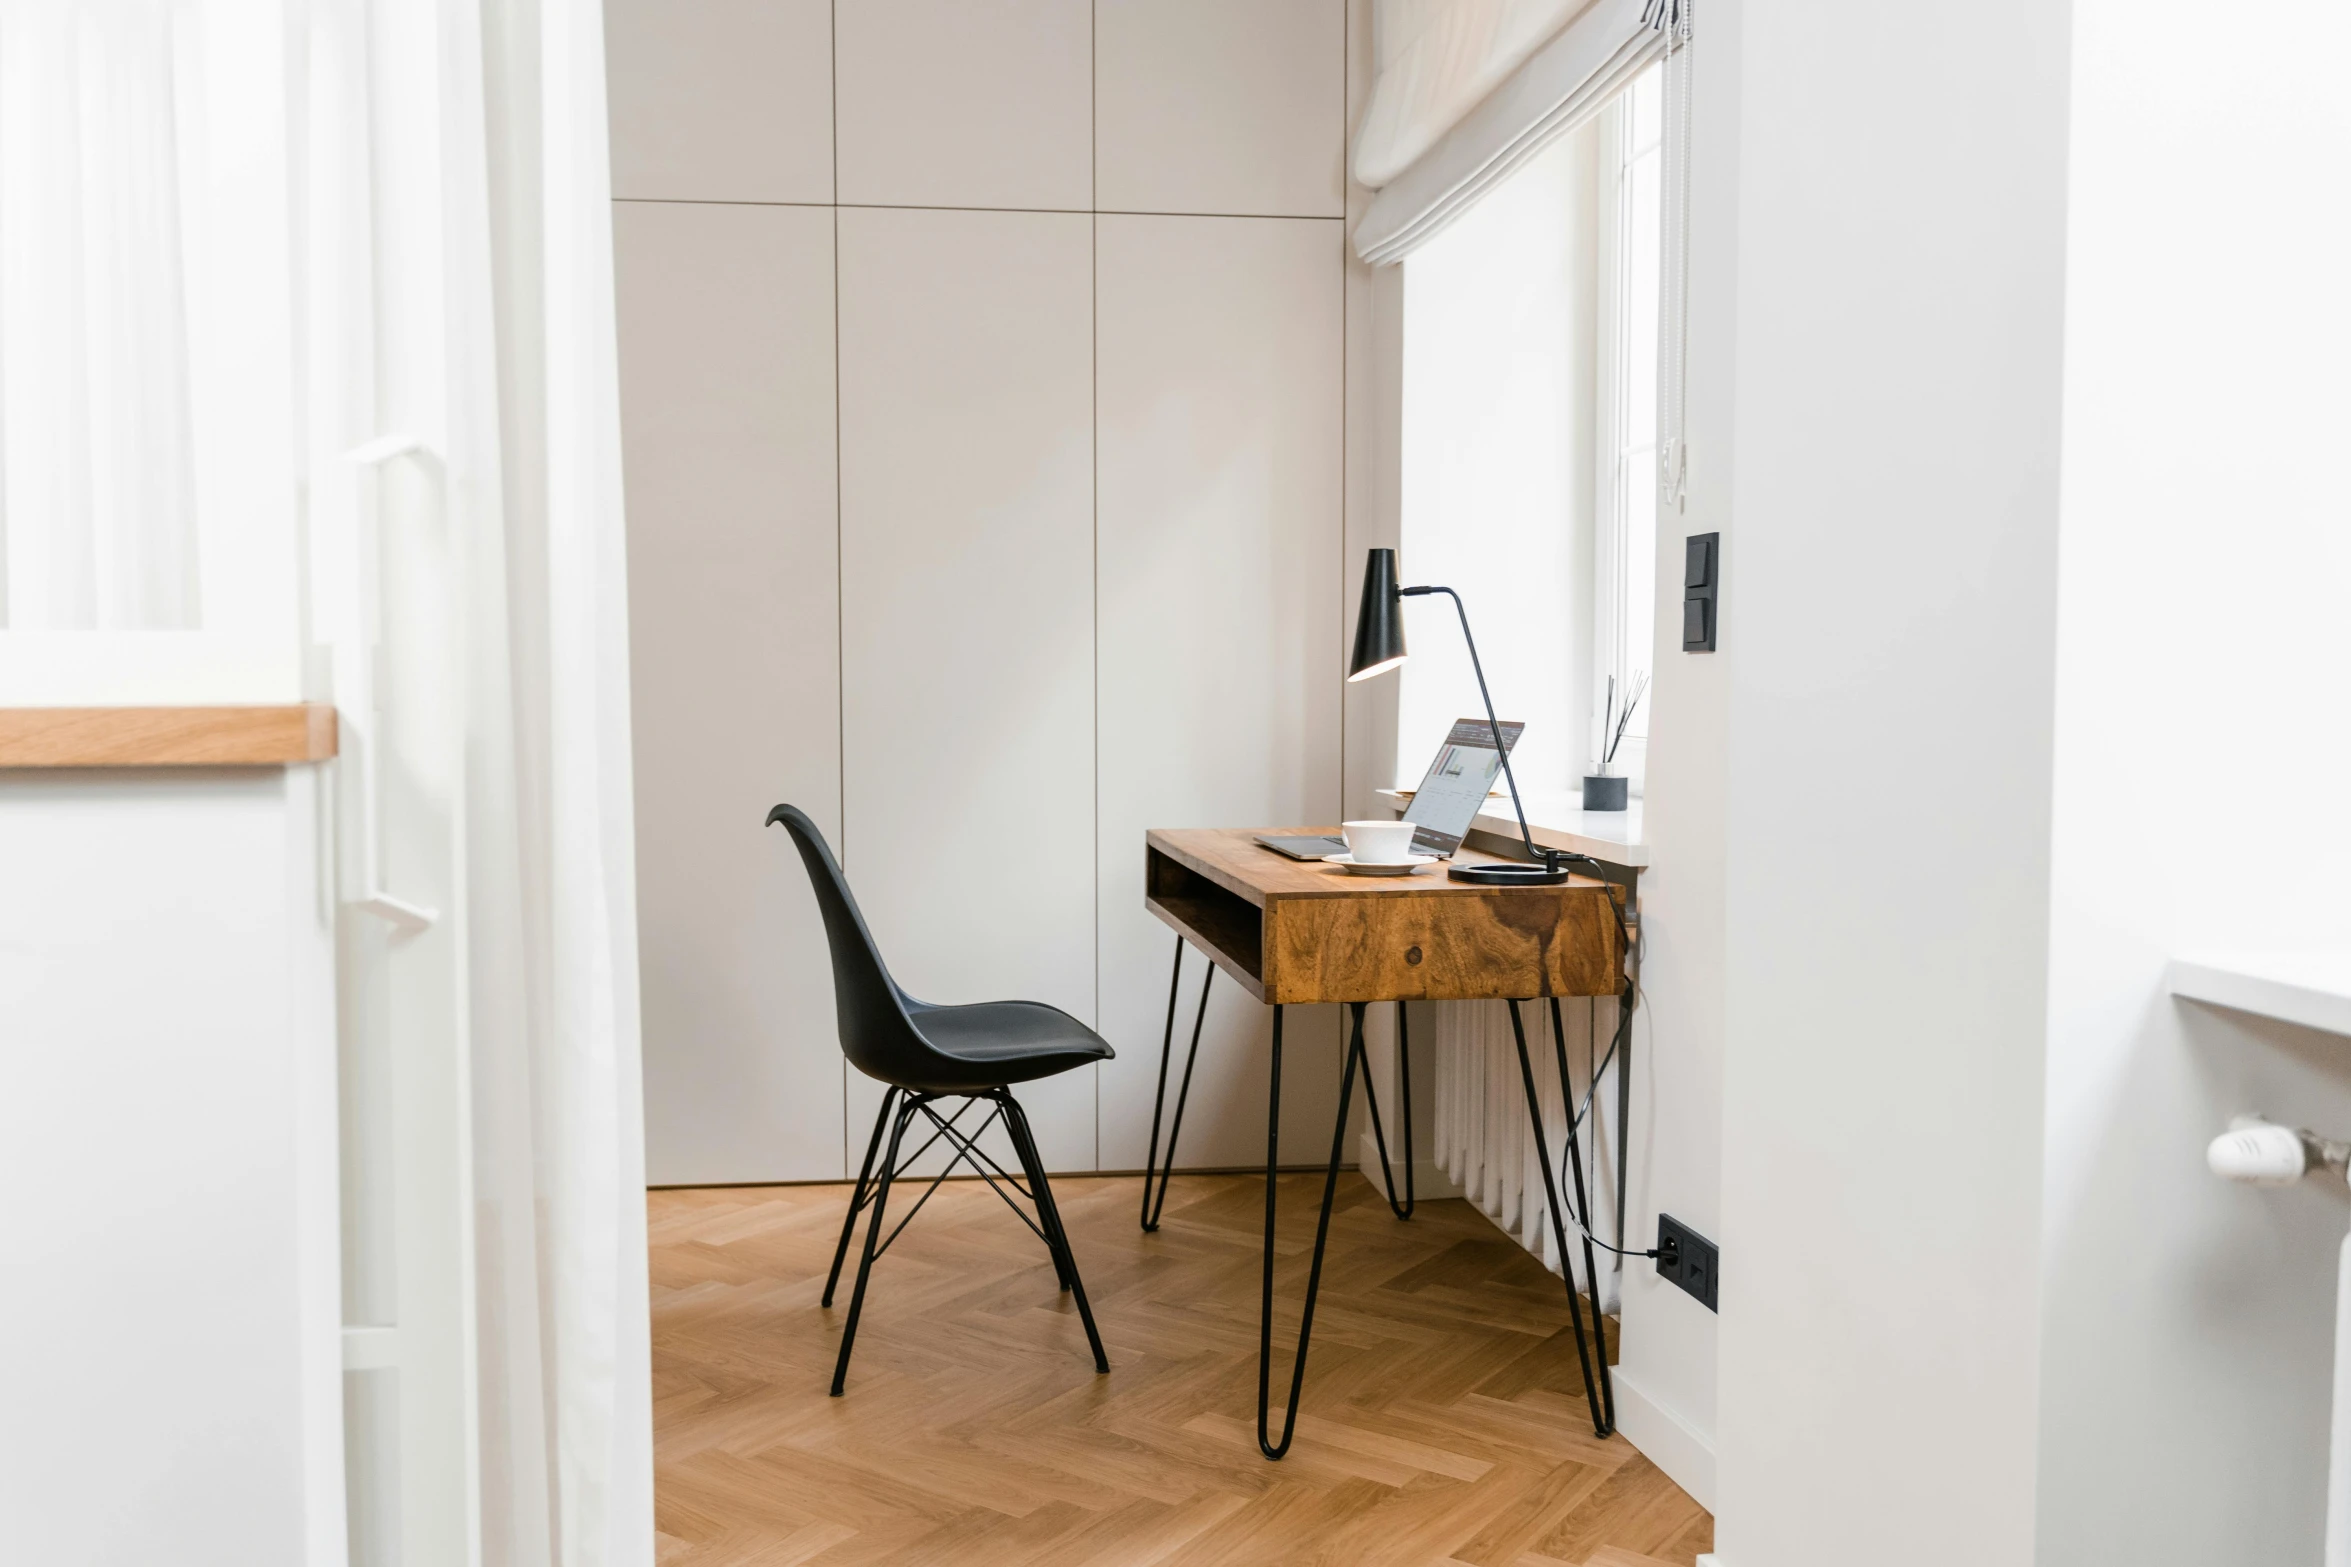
pixel 1379 647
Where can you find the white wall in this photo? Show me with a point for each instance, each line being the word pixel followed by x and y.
pixel 1067 511
pixel 2032 680
pixel 2203 739
pixel 1890 594
pixel 171 1353
pixel 1666 1370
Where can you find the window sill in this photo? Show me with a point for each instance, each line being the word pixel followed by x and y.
pixel 1558 821
pixel 2312 989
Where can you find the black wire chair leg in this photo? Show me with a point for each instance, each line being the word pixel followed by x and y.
pixel 1371 1100
pixel 1032 1167
pixel 873 1236
pixel 857 1198
pixel 1583 1210
pixel 1024 1142
pixel 1601 1425
pixel 1322 1231
pixel 1152 1210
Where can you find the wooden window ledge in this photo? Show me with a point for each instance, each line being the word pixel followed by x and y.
pixel 166 736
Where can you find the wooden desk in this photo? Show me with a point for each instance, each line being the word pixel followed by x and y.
pixel 1295 933
pixel 1292 933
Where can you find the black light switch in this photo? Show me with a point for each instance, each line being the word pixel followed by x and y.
pixel 1701 590
pixel 1698 561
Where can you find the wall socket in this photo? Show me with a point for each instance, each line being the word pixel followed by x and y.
pixel 1689 1259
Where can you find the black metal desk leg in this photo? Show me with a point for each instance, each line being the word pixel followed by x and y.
pixel 1322 1231
pixel 1526 1072
pixel 1404 1090
pixel 1624 1098
pixel 1583 1212
pixel 1371 1100
pixel 1151 1161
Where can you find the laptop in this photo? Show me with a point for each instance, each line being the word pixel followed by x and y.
pixel 1443 807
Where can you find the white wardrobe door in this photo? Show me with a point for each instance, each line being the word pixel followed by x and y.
pixel 1230 106
pixel 949 104
pixel 1221 625
pixel 726 359
pixel 721 100
pixel 967 592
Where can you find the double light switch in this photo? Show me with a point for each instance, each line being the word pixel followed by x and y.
pixel 1701 581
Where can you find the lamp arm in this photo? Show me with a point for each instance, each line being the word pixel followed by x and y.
pixel 1549 857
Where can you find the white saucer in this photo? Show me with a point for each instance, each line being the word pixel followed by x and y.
pixel 1346 862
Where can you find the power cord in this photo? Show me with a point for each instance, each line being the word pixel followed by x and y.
pixel 1627 934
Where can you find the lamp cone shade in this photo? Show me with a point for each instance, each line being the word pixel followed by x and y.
pixel 1379 621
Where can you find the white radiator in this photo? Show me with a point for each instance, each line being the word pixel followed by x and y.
pixel 1484 1142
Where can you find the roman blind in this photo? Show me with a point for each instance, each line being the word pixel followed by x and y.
pixel 1465 91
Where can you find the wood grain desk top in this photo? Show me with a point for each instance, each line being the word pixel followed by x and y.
pixel 1294 932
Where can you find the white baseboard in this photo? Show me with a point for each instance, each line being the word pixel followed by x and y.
pixel 1667 1439
pixel 1428 1177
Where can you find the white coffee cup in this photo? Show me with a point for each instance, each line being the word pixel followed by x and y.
pixel 1378 843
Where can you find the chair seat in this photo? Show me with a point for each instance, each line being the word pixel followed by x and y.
pixel 995 1043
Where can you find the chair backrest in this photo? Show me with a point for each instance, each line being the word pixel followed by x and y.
pixel 876 1034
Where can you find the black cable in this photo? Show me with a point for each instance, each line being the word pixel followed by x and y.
pixel 1604 1246
pixel 1586 1229
pixel 1624 1025
pixel 1554 858
pixel 1624 1022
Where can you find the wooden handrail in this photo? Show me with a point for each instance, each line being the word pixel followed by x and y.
pixel 166 736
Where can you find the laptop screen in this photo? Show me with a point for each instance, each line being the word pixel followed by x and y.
pixel 1448 799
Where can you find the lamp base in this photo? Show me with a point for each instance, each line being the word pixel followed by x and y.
pixel 1510 875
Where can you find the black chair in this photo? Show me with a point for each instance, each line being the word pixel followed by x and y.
pixel 926 1054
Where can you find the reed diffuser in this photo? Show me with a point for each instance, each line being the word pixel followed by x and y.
pixel 1606 789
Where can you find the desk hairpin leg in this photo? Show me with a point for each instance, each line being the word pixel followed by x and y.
pixel 1151 1160
pixel 1371 1100
pixel 1356 1061
pixel 1605 1420
pixel 1602 1423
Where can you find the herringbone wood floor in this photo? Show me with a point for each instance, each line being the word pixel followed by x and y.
pixel 1443 1420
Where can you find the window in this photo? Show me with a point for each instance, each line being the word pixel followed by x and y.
pixel 150 503
pixel 1624 603
pixel 1528 465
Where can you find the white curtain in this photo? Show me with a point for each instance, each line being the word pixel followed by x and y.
pixel 1433 61
pixel 1470 90
pixel 551 963
pixel 494 603
pixel 103 211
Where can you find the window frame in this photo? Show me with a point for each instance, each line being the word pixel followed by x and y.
pixel 1620 463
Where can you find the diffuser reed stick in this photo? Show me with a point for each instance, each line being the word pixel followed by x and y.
pixel 1614 723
